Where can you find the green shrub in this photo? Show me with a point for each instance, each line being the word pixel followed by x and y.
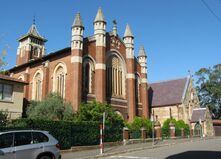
pixel 181 124
pixel 178 125
pixel 137 124
pixel 94 112
pixel 166 127
pixel 53 107
pixel 3 117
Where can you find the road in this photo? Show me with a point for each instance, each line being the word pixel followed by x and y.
pixel 204 149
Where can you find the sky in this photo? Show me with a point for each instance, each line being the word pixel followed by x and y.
pixel 178 35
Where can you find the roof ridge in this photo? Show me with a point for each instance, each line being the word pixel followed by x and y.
pixel 185 88
pixel 163 81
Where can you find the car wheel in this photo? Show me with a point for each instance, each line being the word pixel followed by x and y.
pixel 45 157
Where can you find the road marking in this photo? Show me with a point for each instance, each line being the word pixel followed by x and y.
pixel 131 157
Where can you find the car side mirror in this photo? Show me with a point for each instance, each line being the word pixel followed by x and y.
pixel 1 153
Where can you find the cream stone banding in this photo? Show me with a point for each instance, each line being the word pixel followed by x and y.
pixel 143 80
pixel 76 59
pixel 130 75
pixel 100 66
pixel 143 70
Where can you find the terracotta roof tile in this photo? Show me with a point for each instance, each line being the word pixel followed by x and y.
pixel 167 92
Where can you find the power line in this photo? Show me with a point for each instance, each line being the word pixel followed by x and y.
pixel 211 11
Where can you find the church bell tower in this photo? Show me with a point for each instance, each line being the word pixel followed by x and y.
pixel 31 46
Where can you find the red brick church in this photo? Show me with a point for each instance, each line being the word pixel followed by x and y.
pixel 100 67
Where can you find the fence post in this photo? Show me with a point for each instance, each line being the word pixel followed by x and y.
pixel 143 133
pixel 182 132
pixel 125 135
pixel 172 130
pixel 157 128
pixel 191 132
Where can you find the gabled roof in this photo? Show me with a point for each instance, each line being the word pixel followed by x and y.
pixel 198 114
pixel 167 93
pixel 8 78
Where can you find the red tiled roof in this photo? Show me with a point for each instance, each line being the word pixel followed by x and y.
pixel 8 78
pixel 198 114
pixel 167 92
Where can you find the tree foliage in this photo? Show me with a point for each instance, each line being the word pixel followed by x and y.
pixel 3 118
pixel 137 124
pixel 209 88
pixel 140 122
pixel 53 107
pixel 178 126
pixel 94 111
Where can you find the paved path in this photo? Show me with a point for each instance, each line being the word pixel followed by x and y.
pixel 120 151
pixel 201 149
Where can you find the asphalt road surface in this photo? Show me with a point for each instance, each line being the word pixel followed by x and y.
pixel 204 149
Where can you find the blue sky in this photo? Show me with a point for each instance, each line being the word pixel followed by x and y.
pixel 178 35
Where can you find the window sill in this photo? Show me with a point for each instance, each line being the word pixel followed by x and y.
pixel 6 101
pixel 120 99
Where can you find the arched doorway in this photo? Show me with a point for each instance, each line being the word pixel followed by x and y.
pixel 197 129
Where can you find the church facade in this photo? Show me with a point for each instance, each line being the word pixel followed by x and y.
pixel 100 67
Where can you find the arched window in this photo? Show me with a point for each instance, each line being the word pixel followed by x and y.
pixel 88 76
pixel 137 88
pixel 37 86
pixel 115 77
pixel 59 81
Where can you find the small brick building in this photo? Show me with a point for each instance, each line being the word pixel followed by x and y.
pixel 100 67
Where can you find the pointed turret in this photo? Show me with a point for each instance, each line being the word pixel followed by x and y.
pixel 100 67
pixel 100 28
pixel 142 59
pixel 129 42
pixel 77 21
pixel 128 32
pixel 142 52
pixel 77 32
pixel 100 16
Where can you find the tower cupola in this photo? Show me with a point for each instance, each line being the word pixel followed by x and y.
pixel 31 45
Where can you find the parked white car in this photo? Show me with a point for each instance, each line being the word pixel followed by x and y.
pixel 28 144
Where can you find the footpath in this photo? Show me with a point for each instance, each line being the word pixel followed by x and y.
pixel 93 152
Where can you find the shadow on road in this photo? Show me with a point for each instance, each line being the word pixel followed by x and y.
pixel 197 155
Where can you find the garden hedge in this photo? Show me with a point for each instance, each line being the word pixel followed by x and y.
pixel 71 133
